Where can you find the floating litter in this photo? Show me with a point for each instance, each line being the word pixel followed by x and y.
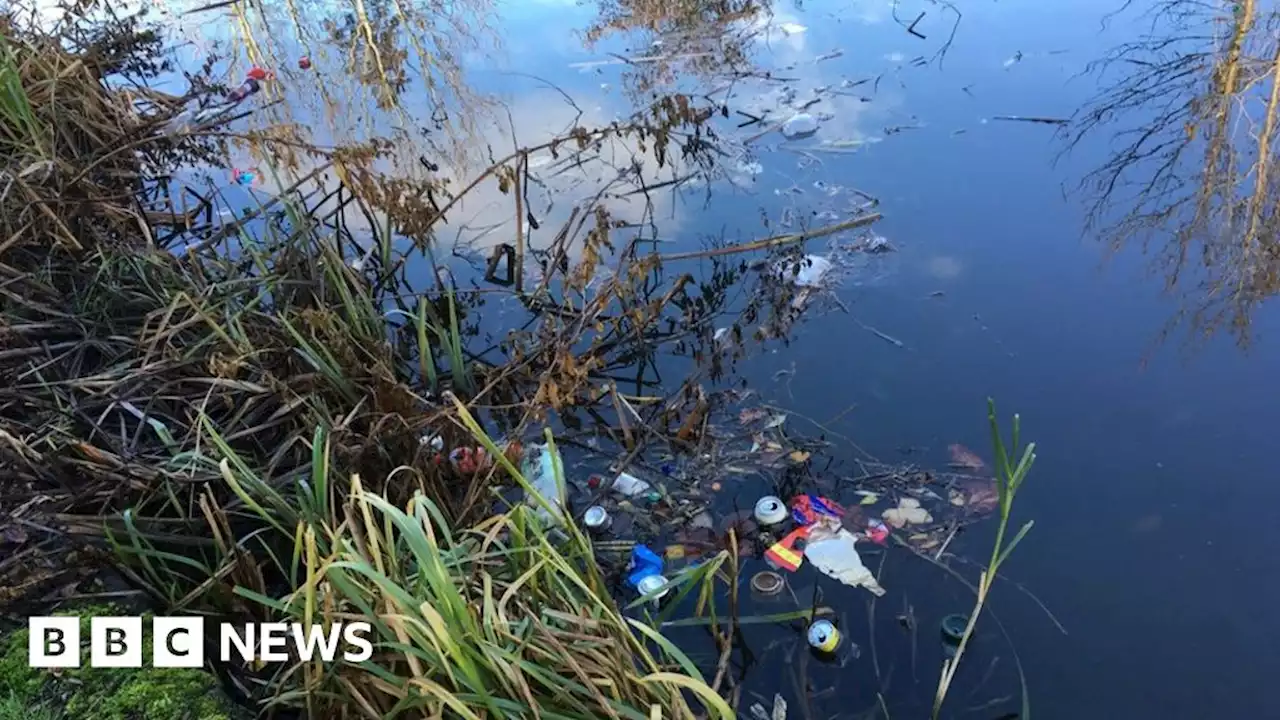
pixel 824 637
pixel 653 583
pixel 596 518
pixel 767 582
pixel 953 627
pixel 800 126
pixel 770 510
pixel 304 63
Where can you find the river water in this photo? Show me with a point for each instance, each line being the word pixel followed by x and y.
pixel 1153 485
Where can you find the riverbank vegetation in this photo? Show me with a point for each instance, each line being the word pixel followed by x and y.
pixel 252 414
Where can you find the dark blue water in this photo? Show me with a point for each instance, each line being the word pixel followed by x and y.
pixel 1152 488
pixel 1152 493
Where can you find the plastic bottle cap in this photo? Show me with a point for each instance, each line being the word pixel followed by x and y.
pixel 770 510
pixel 824 636
pixel 595 517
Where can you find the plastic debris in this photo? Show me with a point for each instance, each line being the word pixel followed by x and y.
pixel 908 512
pixel 247 88
pixel 469 460
pixel 878 244
pixel 808 272
pixel 877 532
pixel 770 510
pixel 435 442
pixel 257 73
pixel 835 554
pixel 779 710
pixel 807 509
pixel 244 177
pixel 629 485
pixel 790 28
pixel 540 470
pixel 783 554
pixel 181 123
pixel 799 126
pixel 644 563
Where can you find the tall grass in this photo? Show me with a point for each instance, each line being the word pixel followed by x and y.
pixel 509 618
pixel 18 121
pixel 1011 472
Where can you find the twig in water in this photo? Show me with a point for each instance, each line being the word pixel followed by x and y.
pixel 950 537
pixel 1041 120
pixel 887 338
pixel 775 240
pixel 912 27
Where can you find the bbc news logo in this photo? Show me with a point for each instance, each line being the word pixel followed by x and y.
pixel 179 642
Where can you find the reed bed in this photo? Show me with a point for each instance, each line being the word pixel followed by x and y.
pixel 241 434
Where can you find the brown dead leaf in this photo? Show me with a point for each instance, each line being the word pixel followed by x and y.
pixel 799 456
pixel 963 457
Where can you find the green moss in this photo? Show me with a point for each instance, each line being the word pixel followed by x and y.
pixel 144 693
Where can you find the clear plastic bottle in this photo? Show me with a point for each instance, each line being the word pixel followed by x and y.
pixel 181 123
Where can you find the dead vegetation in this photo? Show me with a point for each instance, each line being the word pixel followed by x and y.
pixel 197 419
pixel 1193 107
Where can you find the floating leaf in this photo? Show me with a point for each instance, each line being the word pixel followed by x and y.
pixel 868 498
pixel 963 457
pixel 799 456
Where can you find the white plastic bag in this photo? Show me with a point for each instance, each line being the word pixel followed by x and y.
pixel 809 271
pixel 835 554
pixel 799 126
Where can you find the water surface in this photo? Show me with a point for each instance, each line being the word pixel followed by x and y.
pixel 1152 488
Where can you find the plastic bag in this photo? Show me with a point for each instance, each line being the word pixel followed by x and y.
pixel 539 470
pixel 835 554
pixel 800 126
